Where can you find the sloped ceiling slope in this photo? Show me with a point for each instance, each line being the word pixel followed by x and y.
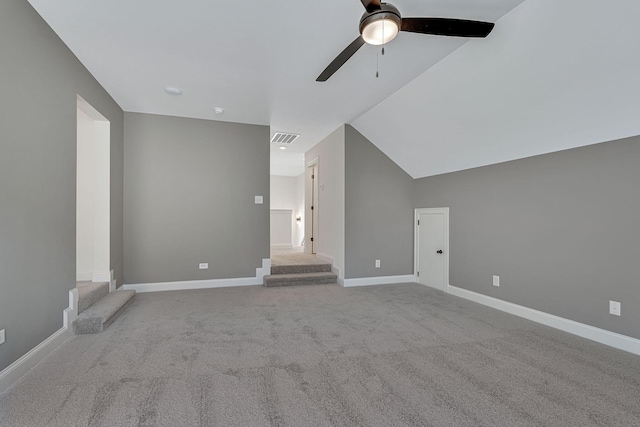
pixel 553 75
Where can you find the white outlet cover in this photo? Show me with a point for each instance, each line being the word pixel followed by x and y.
pixel 259 200
pixel 2 336
pixel 496 280
pixel 614 308
pixel 203 265
pixel 377 263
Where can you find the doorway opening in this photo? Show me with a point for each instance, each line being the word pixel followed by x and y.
pixel 432 247
pixel 92 195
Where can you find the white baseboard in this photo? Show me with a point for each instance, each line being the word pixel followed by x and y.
pixel 281 246
pixel 101 276
pixel 379 280
pixel 204 284
pixel 17 369
pixel 69 316
pixel 84 276
pixel 90 276
pixel 334 268
pixel 612 339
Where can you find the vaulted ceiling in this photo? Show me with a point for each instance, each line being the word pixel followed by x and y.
pixel 552 75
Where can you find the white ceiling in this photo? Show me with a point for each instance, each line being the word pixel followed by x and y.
pixel 552 75
pixel 257 60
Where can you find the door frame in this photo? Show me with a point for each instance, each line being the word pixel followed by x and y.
pixel 312 216
pixel 100 198
pixel 416 240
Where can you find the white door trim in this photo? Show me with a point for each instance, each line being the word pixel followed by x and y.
pixel 312 217
pixel 416 240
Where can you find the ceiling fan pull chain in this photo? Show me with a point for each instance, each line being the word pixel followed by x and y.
pixel 377 65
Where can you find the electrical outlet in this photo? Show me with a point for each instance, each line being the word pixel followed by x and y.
pixel 377 263
pixel 2 336
pixel 259 200
pixel 203 266
pixel 496 280
pixel 614 308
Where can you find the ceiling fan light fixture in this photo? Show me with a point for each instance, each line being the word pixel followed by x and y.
pixel 381 22
pixel 380 26
pixel 380 31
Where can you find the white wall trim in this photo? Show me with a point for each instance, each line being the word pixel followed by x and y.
pixel 612 339
pixel 84 276
pixel 378 280
pixel 101 276
pixel 281 246
pixel 112 281
pixel 265 270
pixel 204 284
pixel 12 373
pixel 334 269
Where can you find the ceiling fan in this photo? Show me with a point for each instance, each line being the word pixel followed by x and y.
pixel 381 22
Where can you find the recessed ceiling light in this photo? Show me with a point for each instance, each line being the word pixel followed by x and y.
pixel 218 110
pixel 283 148
pixel 173 90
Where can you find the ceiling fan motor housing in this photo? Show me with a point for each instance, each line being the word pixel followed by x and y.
pixel 386 11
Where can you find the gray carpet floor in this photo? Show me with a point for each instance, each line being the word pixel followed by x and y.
pixel 296 259
pixel 323 355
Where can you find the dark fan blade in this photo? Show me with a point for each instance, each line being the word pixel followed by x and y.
pixel 341 59
pixel 371 5
pixel 447 27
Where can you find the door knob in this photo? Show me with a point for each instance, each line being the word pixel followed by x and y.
pixel 439 251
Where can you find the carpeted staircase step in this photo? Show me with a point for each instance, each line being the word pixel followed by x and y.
pixel 300 268
pixel 294 279
pixel 90 293
pixel 101 314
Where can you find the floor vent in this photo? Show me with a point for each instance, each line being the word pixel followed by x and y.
pixel 284 138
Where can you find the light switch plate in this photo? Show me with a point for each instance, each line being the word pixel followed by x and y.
pixel 259 200
pixel 377 263
pixel 2 336
pixel 496 281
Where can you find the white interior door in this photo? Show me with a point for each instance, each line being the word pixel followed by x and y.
pixel 432 247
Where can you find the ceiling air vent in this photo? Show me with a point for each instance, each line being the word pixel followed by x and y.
pixel 283 138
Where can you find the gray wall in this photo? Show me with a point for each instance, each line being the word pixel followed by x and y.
pixel 378 211
pixel 329 213
pixel 561 230
pixel 189 198
pixel 41 79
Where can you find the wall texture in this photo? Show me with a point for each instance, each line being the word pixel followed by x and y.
pixel 378 211
pixel 38 176
pixel 561 230
pixel 189 198
pixel 282 192
pixel 330 155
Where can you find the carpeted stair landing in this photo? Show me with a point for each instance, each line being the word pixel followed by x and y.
pixel 98 308
pixel 300 274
